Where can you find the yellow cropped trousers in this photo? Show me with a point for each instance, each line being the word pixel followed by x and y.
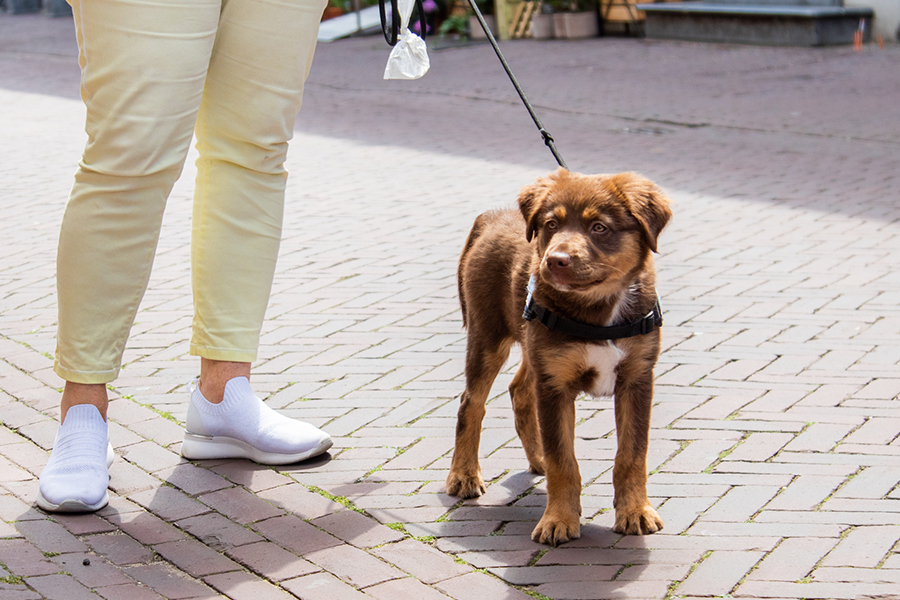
pixel 154 72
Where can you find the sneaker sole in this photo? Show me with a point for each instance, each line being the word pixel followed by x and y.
pixel 71 506
pixel 202 447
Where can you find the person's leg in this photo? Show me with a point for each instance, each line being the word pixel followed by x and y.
pixel 143 70
pixel 253 93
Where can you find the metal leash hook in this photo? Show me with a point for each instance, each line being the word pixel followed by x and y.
pixel 548 139
pixel 390 35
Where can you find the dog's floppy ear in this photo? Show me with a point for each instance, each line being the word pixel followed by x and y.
pixel 531 198
pixel 646 202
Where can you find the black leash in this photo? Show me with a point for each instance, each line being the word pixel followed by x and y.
pixel 548 139
pixel 390 36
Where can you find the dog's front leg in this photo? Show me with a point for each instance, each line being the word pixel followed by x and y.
pixel 561 521
pixel 634 397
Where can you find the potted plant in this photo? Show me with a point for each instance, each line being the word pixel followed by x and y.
pixel 454 26
pixel 575 18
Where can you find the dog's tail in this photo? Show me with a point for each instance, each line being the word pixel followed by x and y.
pixel 474 234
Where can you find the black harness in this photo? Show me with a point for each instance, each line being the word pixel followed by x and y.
pixel 556 322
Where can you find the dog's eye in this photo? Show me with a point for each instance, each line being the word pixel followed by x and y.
pixel 599 228
pixel 551 225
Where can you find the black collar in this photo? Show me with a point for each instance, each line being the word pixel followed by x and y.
pixel 556 322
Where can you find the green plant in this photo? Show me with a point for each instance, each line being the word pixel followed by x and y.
pixel 458 24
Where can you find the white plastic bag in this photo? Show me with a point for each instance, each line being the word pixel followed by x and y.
pixel 409 58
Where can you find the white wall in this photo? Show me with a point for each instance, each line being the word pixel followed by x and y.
pixel 887 16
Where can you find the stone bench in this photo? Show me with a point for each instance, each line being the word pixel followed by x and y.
pixel 767 24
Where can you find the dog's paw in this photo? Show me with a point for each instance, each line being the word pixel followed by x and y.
pixel 536 467
pixel 465 486
pixel 554 530
pixel 640 521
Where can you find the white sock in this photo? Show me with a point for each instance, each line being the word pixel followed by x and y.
pixel 77 471
pixel 243 416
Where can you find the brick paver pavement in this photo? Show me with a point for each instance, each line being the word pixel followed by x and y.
pixel 775 451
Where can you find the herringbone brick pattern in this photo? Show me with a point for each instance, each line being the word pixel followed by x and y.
pixel 776 428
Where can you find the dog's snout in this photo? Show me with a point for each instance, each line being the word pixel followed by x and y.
pixel 558 261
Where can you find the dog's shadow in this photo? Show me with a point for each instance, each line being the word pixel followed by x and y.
pixel 594 561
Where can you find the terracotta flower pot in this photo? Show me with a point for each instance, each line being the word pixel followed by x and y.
pixel 332 12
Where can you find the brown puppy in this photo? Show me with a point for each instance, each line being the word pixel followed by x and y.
pixel 585 244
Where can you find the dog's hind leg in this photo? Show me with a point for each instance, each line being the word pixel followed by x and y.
pixel 521 391
pixel 482 366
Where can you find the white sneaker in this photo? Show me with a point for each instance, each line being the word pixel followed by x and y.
pixel 242 426
pixel 76 476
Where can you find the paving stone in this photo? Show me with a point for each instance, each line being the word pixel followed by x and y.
pixel 245 586
pixel 793 560
pixel 555 573
pixel 296 499
pixel 496 558
pixel 805 492
pixel 145 527
pixel 59 587
pixel 252 476
pixel 128 591
pixel 169 582
pixel 421 561
pixel 774 589
pixel 272 561
pixel 125 478
pixel 478 585
pixel 322 586
pixel 119 548
pixel 168 503
pixel 50 537
pixel 192 479
pixel 613 589
pixel 195 558
pixel 353 565
pixel 218 532
pixel 404 589
pixel 151 457
pixel 357 529
pixel 863 547
pixel 295 535
pixel 81 524
pixel 240 505
pixel 99 573
pixel 22 558
pixel 13 509
pixel 719 573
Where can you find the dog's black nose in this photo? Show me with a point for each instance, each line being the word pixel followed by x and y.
pixel 558 261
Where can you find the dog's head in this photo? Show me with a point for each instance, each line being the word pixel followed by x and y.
pixel 593 232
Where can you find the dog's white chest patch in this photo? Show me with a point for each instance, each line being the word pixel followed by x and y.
pixel 603 358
